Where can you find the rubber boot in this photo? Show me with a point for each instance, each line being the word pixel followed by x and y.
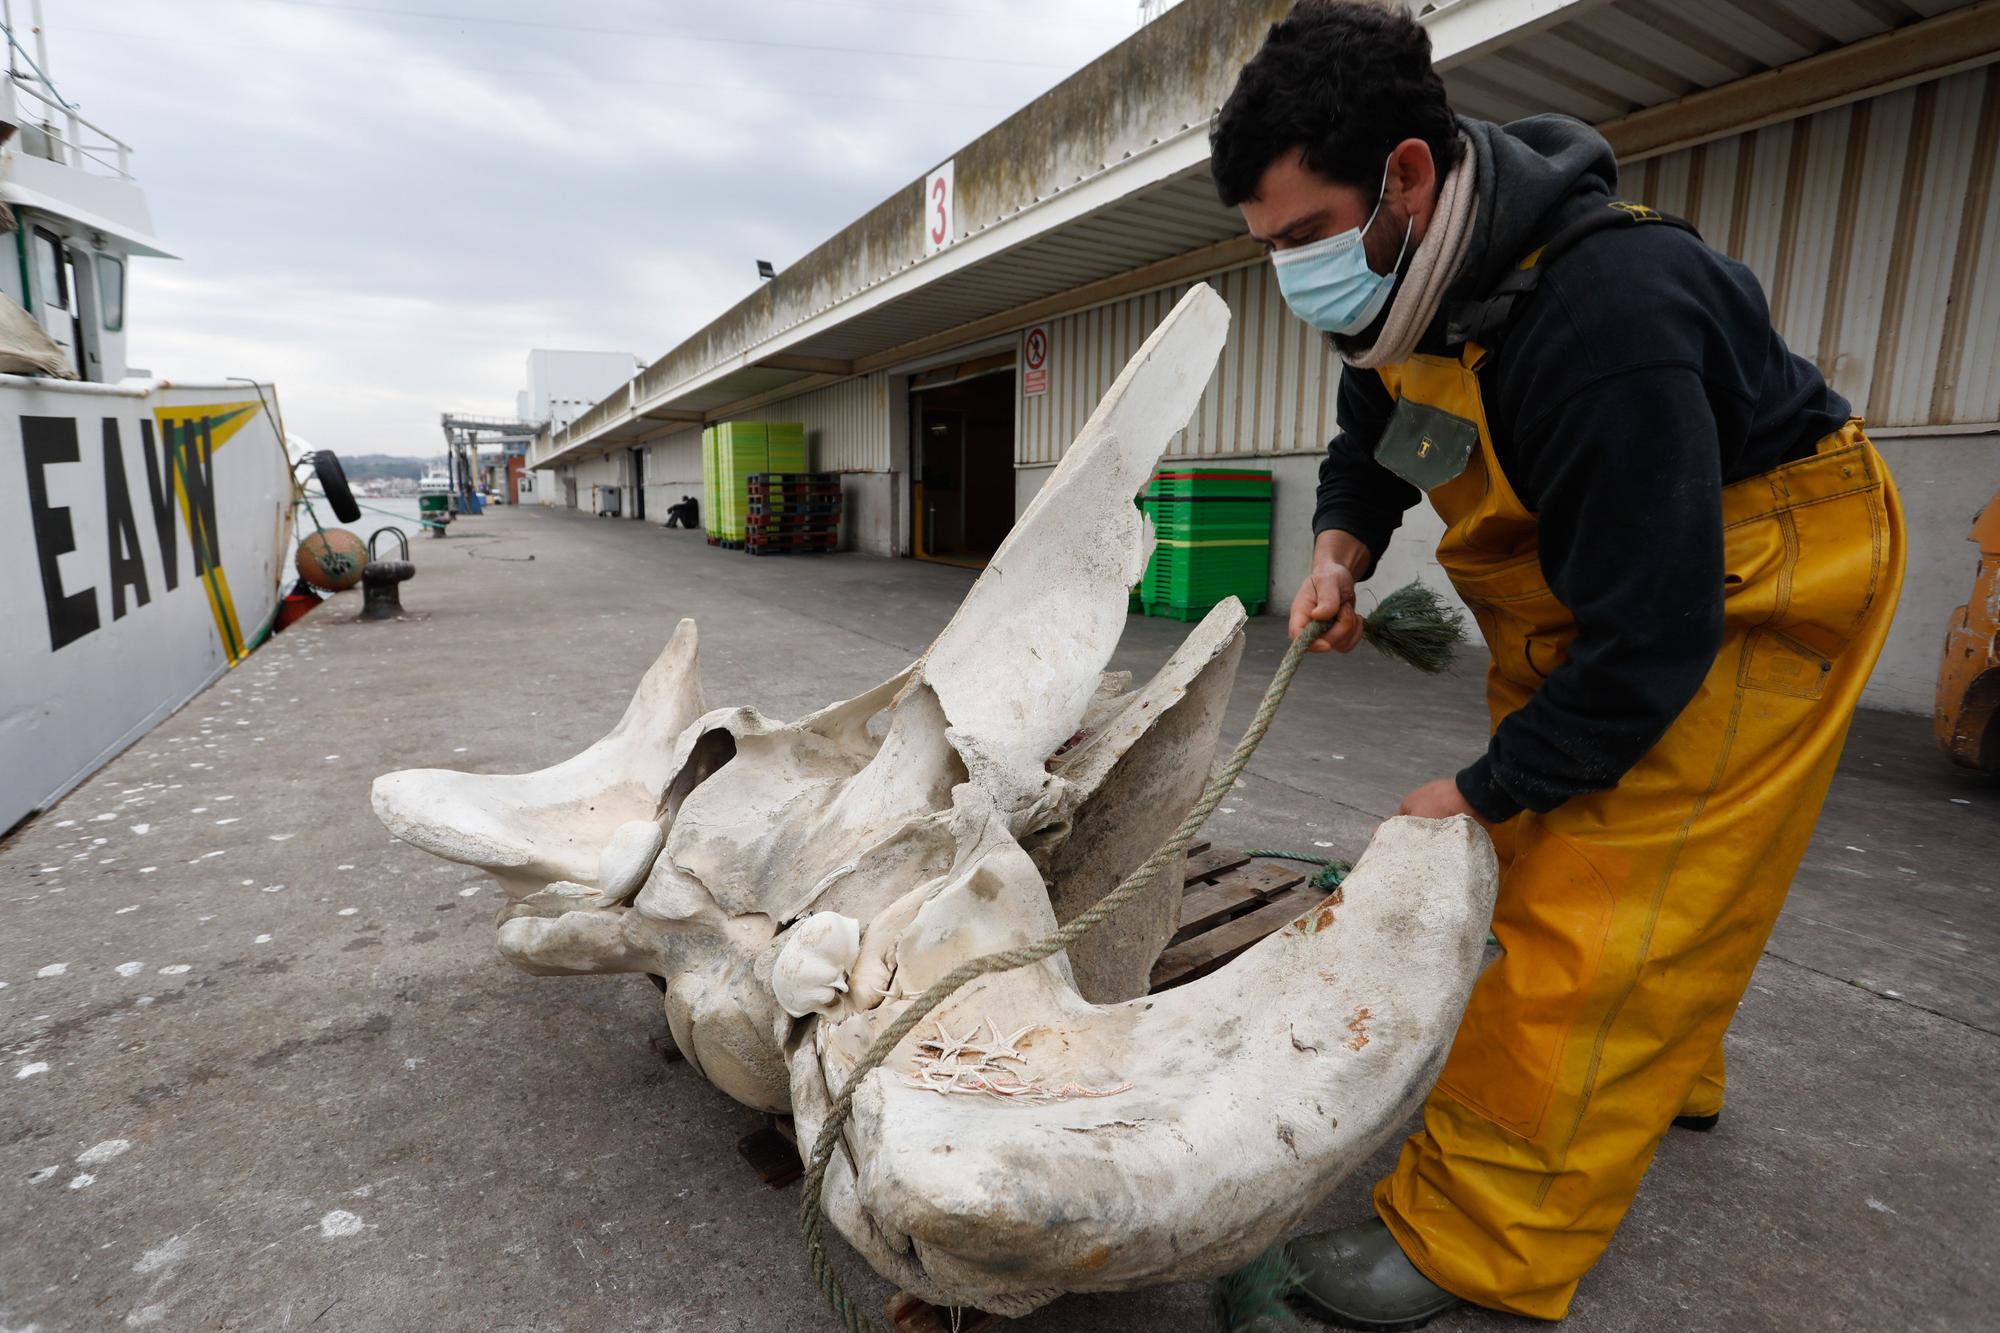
pixel 1358 1278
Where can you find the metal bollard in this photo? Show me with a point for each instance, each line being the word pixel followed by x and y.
pixel 381 580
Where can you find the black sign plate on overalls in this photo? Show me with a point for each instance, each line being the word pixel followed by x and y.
pixel 1426 446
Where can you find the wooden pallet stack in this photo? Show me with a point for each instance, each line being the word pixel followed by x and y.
pixel 793 513
pixel 1231 900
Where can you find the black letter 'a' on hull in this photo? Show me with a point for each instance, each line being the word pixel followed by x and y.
pixel 128 568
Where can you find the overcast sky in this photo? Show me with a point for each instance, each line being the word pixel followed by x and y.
pixel 381 205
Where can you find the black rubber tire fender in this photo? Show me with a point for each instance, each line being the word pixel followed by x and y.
pixel 333 484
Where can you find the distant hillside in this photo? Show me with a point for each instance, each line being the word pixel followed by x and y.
pixel 371 467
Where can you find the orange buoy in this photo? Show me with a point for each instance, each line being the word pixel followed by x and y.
pixel 332 559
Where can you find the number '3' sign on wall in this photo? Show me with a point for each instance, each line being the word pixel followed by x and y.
pixel 939 202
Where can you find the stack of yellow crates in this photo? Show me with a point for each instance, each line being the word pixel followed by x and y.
pixel 730 452
pixel 711 512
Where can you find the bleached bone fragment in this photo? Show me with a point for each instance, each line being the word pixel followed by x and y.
pixel 577 943
pixel 622 865
pixel 529 829
pixel 810 973
pixel 986 1064
pixel 559 897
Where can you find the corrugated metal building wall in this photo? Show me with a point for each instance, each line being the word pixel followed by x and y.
pixel 847 430
pixel 847 424
pixel 1874 230
pixel 674 460
pixel 1272 392
pixel 596 476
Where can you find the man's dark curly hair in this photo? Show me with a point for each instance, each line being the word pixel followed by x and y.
pixel 1345 83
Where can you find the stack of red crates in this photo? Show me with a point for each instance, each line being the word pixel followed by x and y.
pixel 792 513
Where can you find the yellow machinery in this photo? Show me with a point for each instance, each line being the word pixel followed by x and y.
pixel 1968 694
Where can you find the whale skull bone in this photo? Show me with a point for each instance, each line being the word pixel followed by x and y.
pixel 1014 782
pixel 768 821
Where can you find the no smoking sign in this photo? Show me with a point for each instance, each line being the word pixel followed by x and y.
pixel 1035 361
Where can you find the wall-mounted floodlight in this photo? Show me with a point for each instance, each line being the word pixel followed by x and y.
pixel 765 271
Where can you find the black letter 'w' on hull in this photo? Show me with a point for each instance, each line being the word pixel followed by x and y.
pixel 198 474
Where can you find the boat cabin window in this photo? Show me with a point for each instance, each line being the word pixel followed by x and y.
pixel 51 270
pixel 111 292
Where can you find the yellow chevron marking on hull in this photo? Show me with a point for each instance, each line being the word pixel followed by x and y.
pixel 177 426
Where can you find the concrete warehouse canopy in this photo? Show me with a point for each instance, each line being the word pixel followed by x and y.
pixel 793 886
pixel 1099 188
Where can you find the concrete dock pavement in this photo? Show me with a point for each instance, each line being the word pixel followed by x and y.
pixel 263 1069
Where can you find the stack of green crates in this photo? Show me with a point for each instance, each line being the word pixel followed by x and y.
pixel 1213 533
pixel 730 452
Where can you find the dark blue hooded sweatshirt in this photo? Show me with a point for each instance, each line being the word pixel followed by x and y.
pixel 1641 377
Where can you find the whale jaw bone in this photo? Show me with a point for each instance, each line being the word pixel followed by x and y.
pixel 1176 1136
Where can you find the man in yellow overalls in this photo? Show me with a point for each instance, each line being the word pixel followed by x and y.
pixel 1684 555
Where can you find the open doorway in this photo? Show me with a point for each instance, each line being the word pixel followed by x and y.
pixel 962 460
pixel 60 312
pixel 636 469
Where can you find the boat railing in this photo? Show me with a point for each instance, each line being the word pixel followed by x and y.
pixel 80 142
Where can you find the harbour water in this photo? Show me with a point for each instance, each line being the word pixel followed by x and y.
pixel 376 512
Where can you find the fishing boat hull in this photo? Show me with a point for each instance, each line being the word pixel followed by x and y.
pixel 144 528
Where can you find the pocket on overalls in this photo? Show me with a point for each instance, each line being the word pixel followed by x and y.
pixel 1803 578
pixel 1528 630
pixel 1775 661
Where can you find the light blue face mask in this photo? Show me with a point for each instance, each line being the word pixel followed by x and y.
pixel 1329 285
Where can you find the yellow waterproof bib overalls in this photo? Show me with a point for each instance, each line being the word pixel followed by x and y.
pixel 1632 918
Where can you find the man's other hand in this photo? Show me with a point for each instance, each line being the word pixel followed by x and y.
pixel 1328 593
pixel 1440 799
